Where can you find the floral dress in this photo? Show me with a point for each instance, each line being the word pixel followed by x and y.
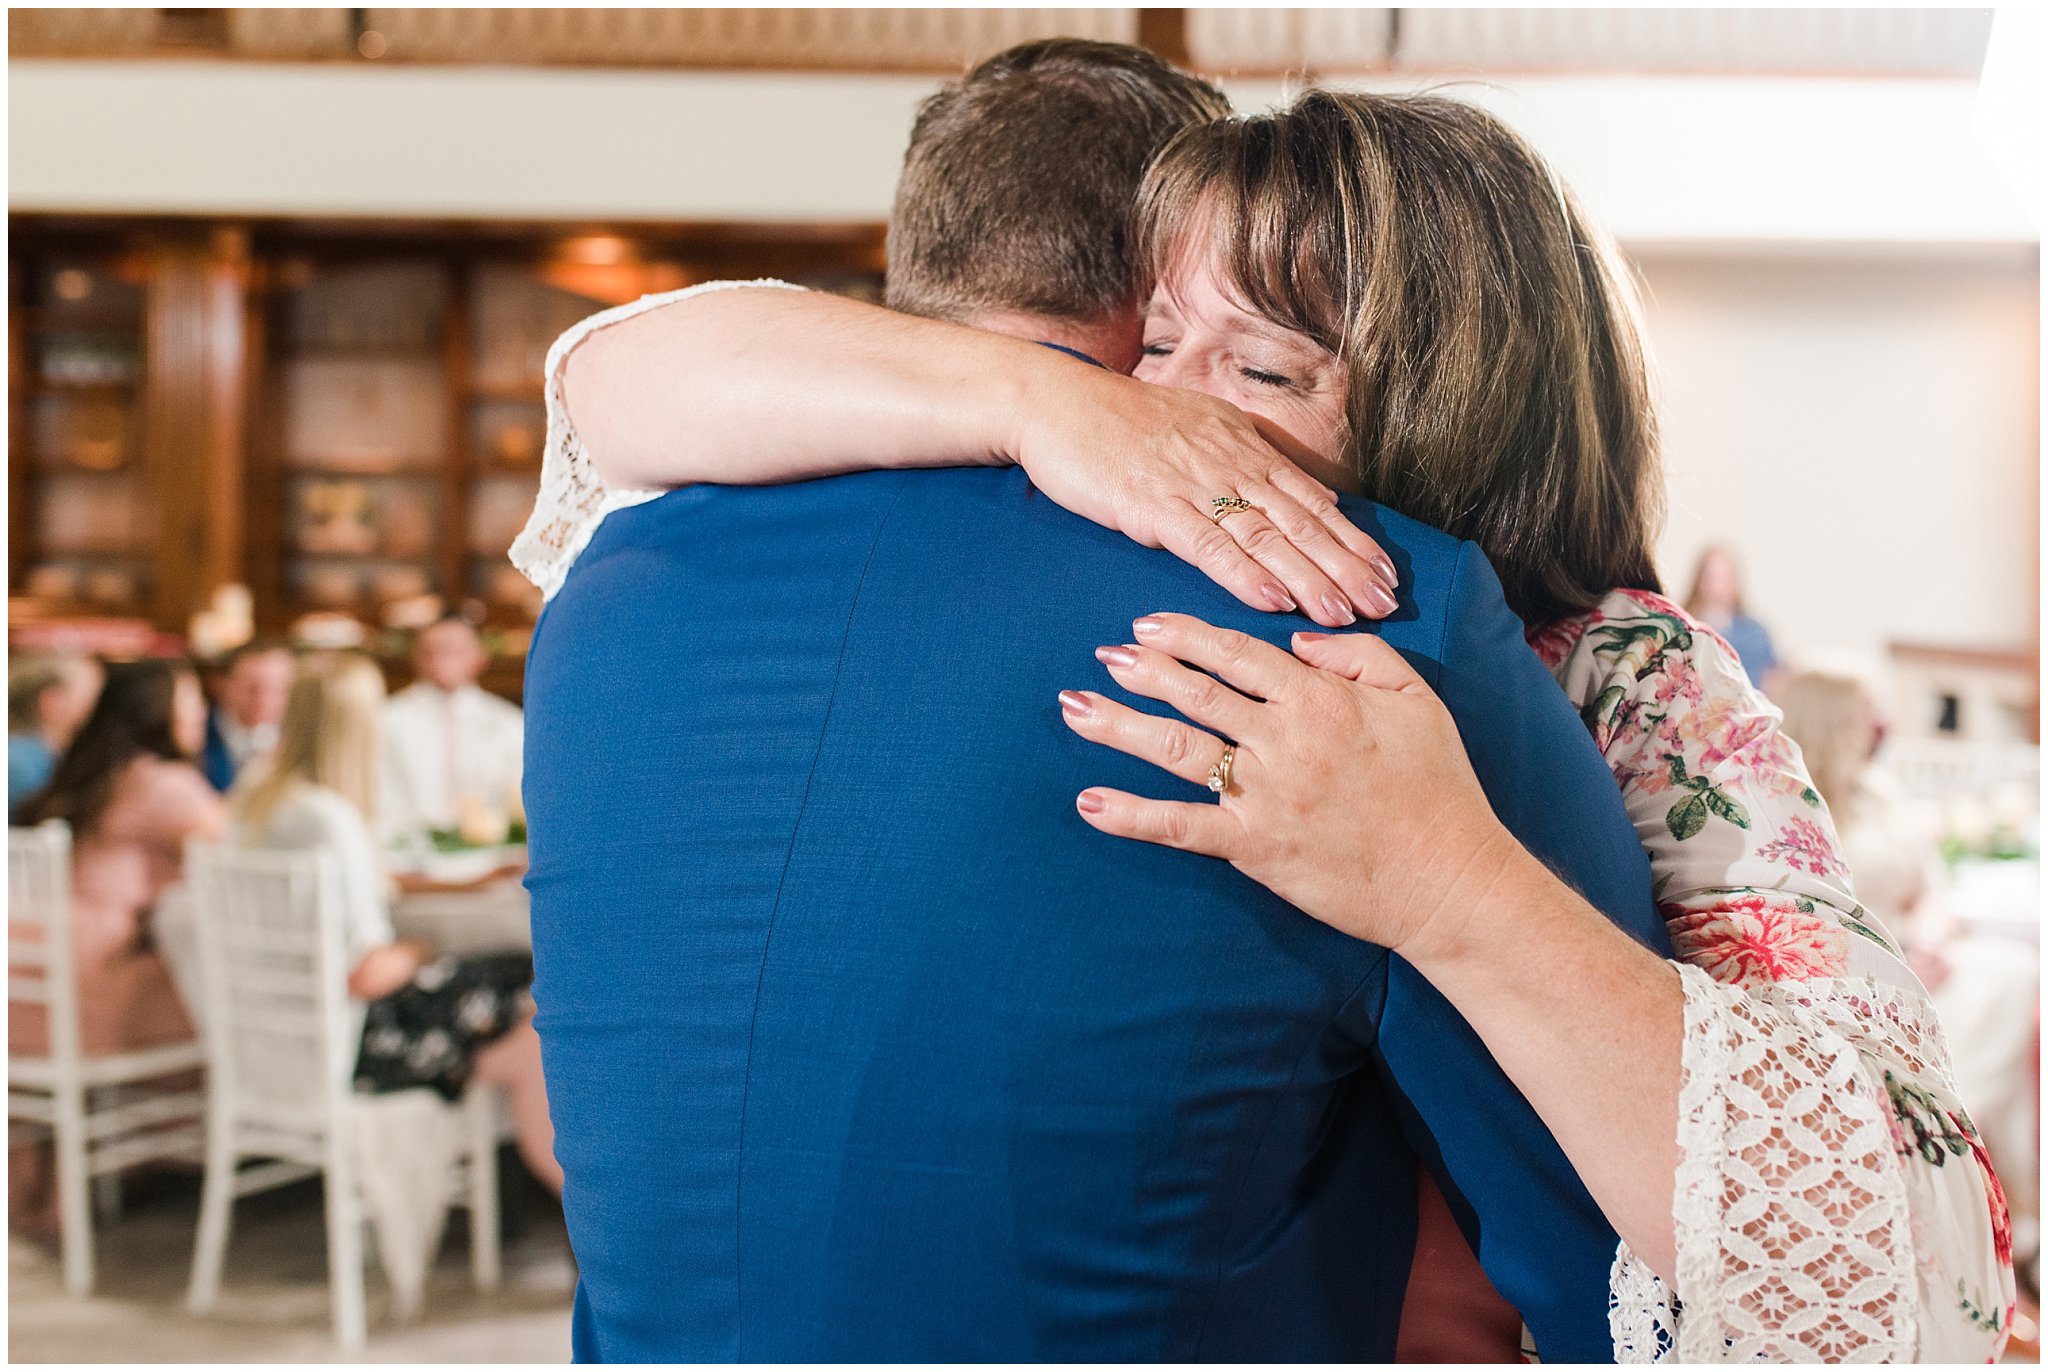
pixel 1834 1201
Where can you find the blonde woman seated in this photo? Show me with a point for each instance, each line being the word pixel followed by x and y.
pixel 439 1022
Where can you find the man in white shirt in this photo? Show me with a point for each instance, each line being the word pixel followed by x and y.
pixel 451 750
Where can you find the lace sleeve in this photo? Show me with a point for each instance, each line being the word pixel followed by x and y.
pixel 573 499
pixel 1833 1200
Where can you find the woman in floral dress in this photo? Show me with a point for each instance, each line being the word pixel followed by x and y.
pixel 1804 1176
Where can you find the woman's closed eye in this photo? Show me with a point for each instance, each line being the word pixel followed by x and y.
pixel 1264 378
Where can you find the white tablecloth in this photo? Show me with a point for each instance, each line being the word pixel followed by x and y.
pixel 494 920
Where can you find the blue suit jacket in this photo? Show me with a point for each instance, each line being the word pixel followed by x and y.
pixel 860 1045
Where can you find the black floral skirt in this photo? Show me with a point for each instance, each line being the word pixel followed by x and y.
pixel 429 1032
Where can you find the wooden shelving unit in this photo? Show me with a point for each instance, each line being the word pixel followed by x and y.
pixel 346 417
pixel 76 480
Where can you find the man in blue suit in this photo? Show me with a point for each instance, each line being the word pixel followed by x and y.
pixel 242 727
pixel 862 1046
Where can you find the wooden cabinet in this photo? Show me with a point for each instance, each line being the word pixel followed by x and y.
pixel 125 403
pixel 348 419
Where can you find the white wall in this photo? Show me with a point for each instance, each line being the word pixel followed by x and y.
pixel 1865 429
pixel 1658 159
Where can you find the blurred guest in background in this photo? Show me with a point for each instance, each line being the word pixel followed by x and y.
pixel 430 1021
pixel 1717 600
pixel 243 725
pixel 47 699
pixel 129 789
pixel 1986 988
pixel 451 749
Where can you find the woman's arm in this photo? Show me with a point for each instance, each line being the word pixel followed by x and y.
pixel 746 386
pixel 753 386
pixel 1589 1030
pixel 1820 1108
pixel 1779 1140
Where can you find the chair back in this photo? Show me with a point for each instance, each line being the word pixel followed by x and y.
pixel 41 961
pixel 274 973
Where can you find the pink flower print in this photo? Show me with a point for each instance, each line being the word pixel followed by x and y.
pixel 1804 846
pixel 1753 940
pixel 1678 681
pixel 1554 641
pixel 2001 1214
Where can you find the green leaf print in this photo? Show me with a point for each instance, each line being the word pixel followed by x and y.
pixel 1601 709
pixel 1687 818
pixel 1811 797
pixel 1726 806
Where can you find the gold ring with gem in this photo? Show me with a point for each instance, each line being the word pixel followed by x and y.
pixel 1224 505
pixel 1219 775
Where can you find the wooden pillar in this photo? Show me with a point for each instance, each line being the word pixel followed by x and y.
pixel 193 408
pixel 1165 32
pixel 21 528
pixel 457 460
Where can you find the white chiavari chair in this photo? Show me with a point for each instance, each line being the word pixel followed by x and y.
pixel 281 1042
pixel 107 1112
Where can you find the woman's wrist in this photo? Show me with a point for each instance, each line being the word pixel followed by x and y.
pixel 1030 391
pixel 1496 885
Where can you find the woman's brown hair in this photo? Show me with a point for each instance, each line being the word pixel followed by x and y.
pixel 132 718
pixel 1498 388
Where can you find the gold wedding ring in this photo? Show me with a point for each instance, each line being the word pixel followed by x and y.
pixel 1224 505
pixel 1219 775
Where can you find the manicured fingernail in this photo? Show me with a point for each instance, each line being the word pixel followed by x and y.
pixel 1117 657
pixel 1089 802
pixel 1378 598
pixel 1074 703
pixel 1386 569
pixel 1339 609
pixel 1146 627
pixel 1278 598
pixel 1309 638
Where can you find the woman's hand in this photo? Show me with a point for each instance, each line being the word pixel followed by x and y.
pixel 1147 461
pixel 1350 795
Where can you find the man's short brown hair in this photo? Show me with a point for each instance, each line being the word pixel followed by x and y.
pixel 1017 188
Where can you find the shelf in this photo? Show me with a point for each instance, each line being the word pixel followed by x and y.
pixel 48 386
pixel 327 471
pixel 529 392
pixel 57 470
pixel 423 356
pixel 127 557
pixel 85 318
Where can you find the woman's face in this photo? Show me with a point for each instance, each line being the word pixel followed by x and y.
pixel 1720 579
pixel 1199 337
pixel 188 715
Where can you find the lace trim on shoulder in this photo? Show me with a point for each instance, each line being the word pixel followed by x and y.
pixel 573 498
